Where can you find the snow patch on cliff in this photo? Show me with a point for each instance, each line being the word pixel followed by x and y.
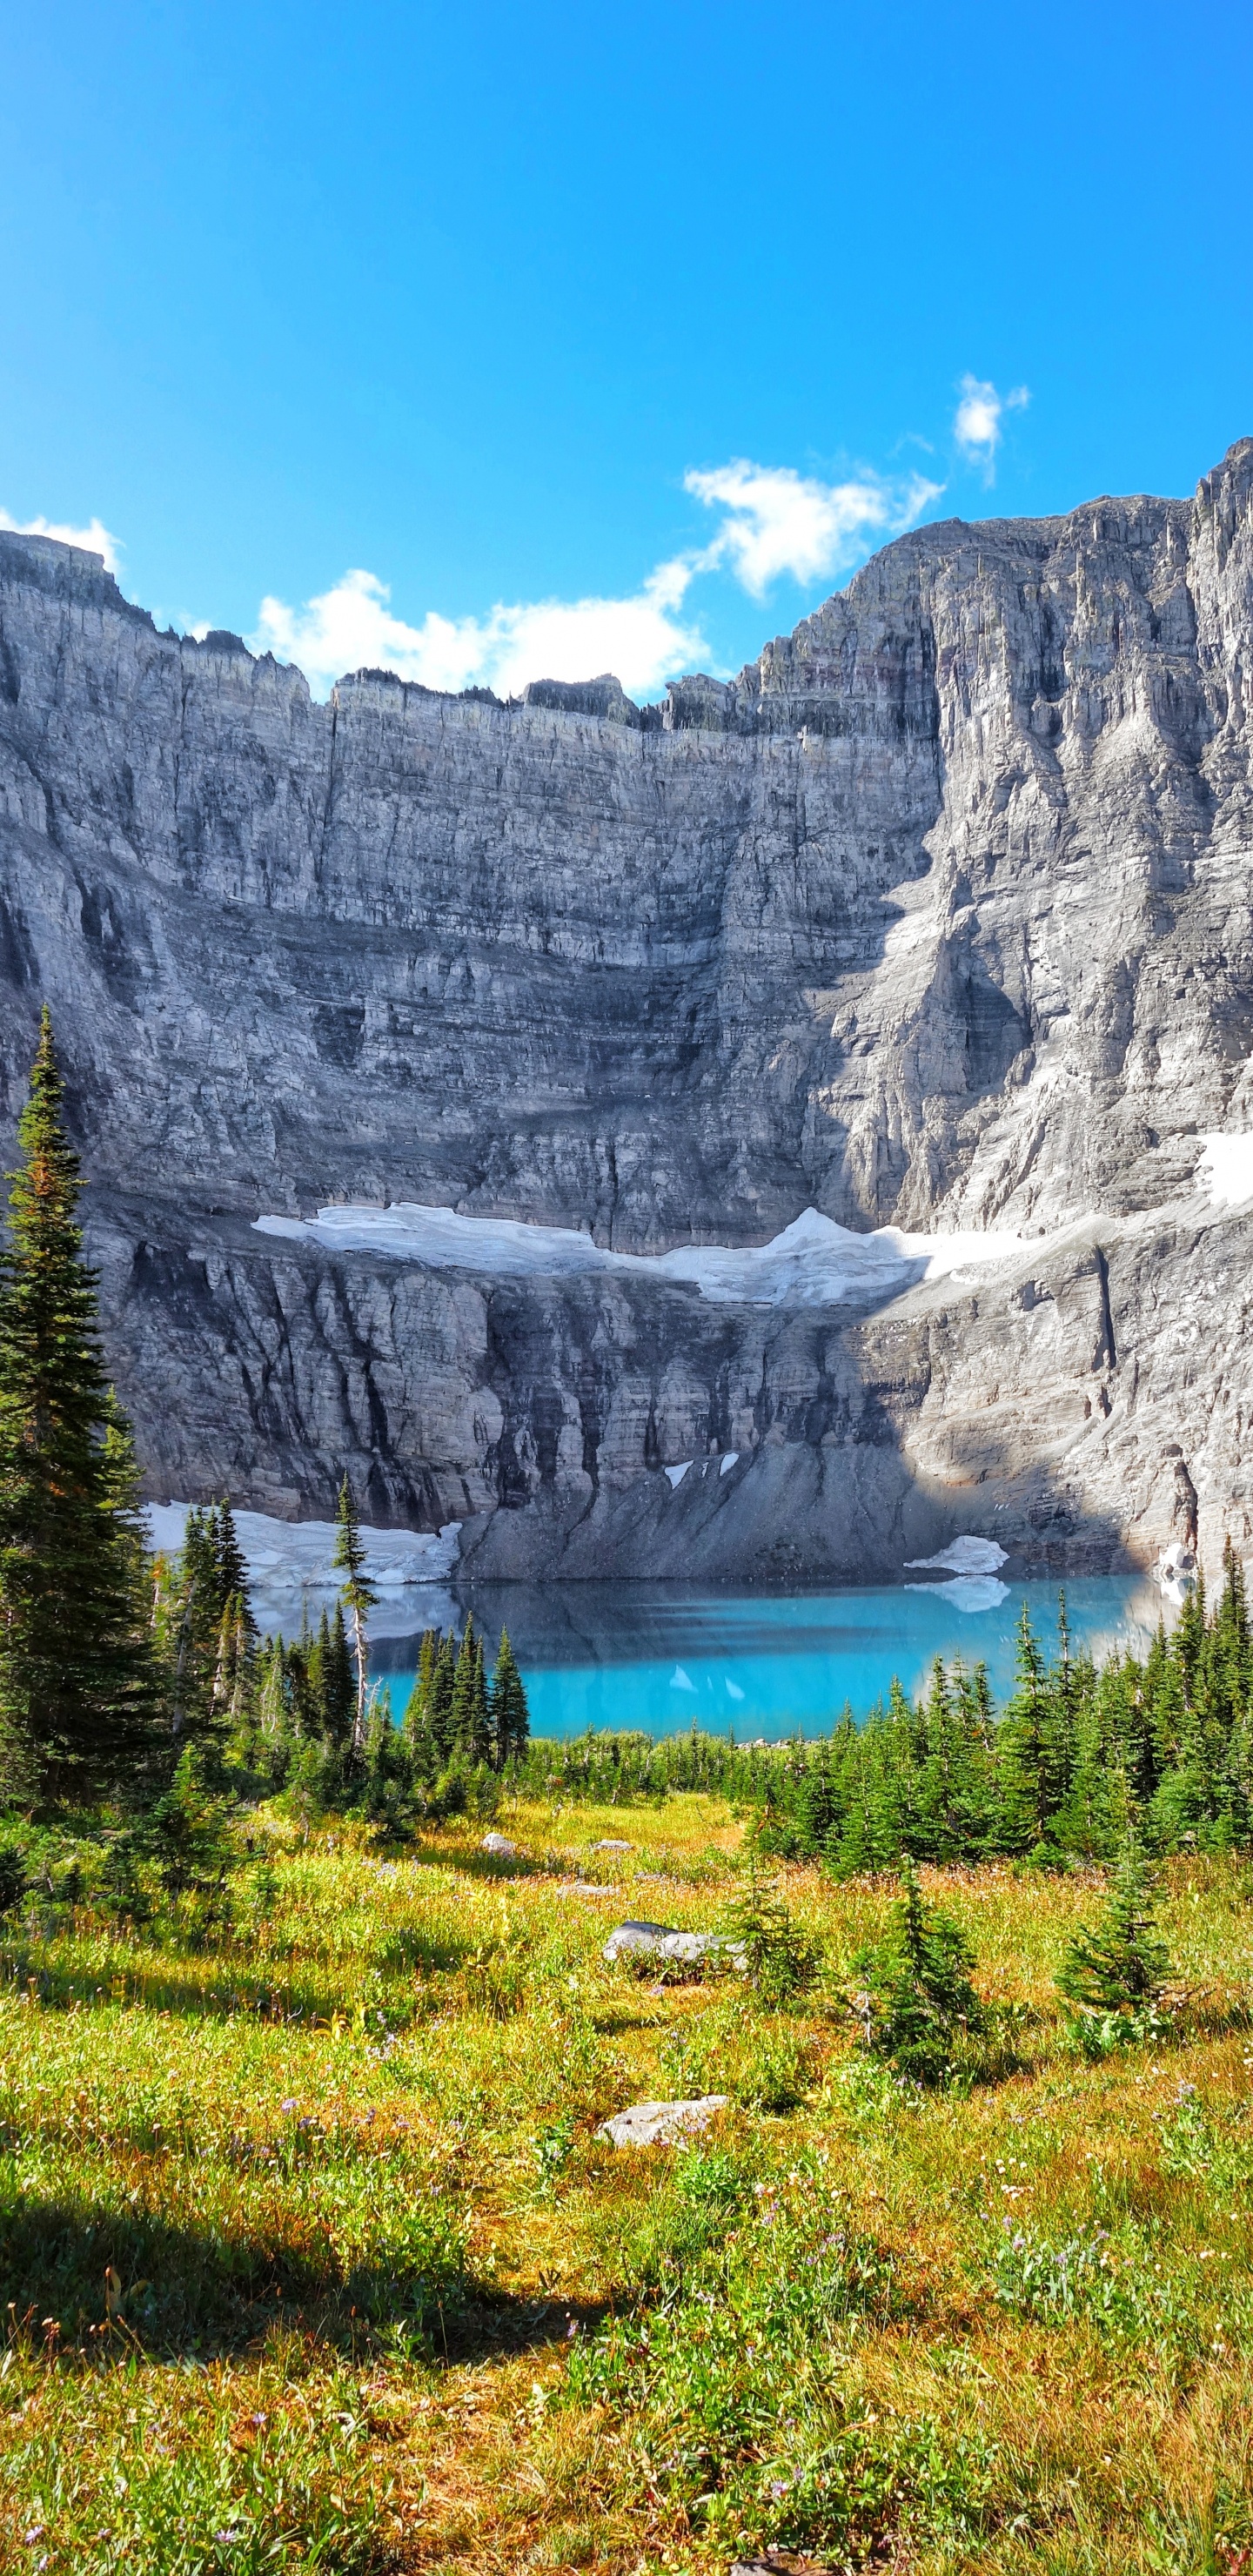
pixel 1226 1169
pixel 814 1262
pixel 290 1566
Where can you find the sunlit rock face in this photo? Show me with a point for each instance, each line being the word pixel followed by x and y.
pixel 939 916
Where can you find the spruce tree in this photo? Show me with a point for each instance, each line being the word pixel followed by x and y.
pixel 479 1742
pixel 415 1723
pixel 231 1567
pixel 469 1712
pixel 922 2008
pixel 439 1709
pixel 1121 1961
pixel 357 1595
pixel 78 1679
pixel 338 1688
pixel 1034 1752
pixel 511 1721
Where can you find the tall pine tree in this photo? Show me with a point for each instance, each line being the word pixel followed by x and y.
pixel 357 1595
pixel 511 1723
pixel 78 1681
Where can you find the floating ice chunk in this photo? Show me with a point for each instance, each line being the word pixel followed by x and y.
pixel 728 1459
pixel 676 1474
pixel 679 1680
pixel 1175 1573
pixel 962 1556
pixel 967 1591
pixel 734 1691
pixel 1226 1169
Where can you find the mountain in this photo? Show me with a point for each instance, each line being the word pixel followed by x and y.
pixel 940 917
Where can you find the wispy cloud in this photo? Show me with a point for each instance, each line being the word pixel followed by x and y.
pixel 778 521
pixel 977 422
pixel 95 538
pixel 774 521
pixel 642 638
pixel 771 522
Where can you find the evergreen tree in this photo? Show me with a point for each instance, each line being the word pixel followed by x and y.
pixel 439 1704
pixel 415 1723
pixel 357 1595
pixel 1121 1961
pixel 510 1717
pixel 196 1618
pixel 921 2005
pixel 469 1700
pixel 413 1718
pixel 214 1632
pixel 1033 1748
pixel 231 1567
pixel 78 1677
pixel 338 1693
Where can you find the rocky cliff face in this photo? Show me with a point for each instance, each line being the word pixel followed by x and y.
pixel 941 914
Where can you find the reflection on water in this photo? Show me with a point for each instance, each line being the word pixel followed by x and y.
pixel 659 1656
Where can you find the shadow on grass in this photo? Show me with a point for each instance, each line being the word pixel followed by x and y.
pixel 491 1867
pixel 85 2279
pixel 175 1984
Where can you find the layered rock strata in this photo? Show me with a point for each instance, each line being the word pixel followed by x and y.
pixel 940 914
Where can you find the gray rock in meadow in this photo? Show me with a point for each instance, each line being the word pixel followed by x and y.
pixel 662 2124
pixel 500 1846
pixel 645 1941
pixel 940 915
pixel 786 2564
pixel 611 1846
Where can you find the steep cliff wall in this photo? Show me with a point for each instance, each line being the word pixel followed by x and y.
pixel 942 913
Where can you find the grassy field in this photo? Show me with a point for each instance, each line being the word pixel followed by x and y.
pixel 313 2258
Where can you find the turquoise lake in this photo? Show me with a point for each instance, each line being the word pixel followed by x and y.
pixel 659 1657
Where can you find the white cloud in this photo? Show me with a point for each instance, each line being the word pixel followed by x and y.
pixel 95 538
pixel 643 639
pixel 774 521
pixel 977 423
pixel 780 521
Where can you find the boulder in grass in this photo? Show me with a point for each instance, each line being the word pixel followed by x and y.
pixel 644 1942
pixel 500 1847
pixel 662 2124
pixel 610 1846
pixel 780 2564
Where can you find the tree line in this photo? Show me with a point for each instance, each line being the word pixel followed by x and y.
pixel 125 1676
pixel 1158 1747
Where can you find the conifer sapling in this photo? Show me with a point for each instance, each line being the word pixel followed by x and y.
pixel 1120 1963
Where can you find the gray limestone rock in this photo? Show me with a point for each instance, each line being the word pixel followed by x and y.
pixel 941 914
pixel 662 2124
pixel 643 1943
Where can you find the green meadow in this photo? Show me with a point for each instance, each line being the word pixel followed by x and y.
pixel 314 2257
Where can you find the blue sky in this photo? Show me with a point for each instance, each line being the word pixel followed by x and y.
pixel 504 341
